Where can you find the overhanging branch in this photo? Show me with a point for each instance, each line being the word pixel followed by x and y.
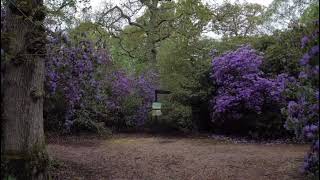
pixel 123 15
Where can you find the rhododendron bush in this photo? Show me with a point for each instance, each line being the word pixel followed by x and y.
pixel 302 110
pixel 89 88
pixel 243 89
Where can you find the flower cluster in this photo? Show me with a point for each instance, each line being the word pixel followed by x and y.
pixel 87 79
pixel 309 131
pixel 241 84
pixel 311 160
pixel 303 111
pixel 146 86
pixel 125 89
pixel 74 72
pixel 311 81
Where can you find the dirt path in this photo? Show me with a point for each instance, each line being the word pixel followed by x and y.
pixel 162 158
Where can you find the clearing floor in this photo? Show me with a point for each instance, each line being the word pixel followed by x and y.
pixel 147 157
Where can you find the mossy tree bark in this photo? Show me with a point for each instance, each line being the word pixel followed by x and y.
pixel 23 151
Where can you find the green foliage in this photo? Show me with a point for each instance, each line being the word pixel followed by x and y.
pixel 282 49
pixel 237 19
pixel 124 118
pixel 54 112
pixel 267 125
pixel 284 54
pixel 311 13
pixel 10 178
pixel 175 117
pixel 131 105
pixel 184 68
pixel 89 31
pixel 174 20
pixel 129 50
pixel 85 125
pixel 179 117
pixel 183 58
pixel 283 14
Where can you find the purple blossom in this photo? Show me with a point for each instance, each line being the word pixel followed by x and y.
pixel 315 70
pixel 316 145
pixel 71 71
pixel 87 77
pixel 122 84
pixel 313 128
pixel 303 113
pixel 303 75
pixel 241 81
pixel 314 50
pixel 305 59
pixel 304 41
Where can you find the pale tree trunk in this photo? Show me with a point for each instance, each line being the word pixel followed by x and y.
pixel 22 142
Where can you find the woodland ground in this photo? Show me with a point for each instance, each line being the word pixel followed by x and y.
pixel 138 156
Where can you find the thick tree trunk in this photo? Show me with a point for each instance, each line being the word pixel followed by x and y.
pixel 22 141
pixel 151 33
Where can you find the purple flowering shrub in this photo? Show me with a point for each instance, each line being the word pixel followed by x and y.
pixel 73 81
pixel 302 110
pixel 85 87
pixel 131 97
pixel 243 92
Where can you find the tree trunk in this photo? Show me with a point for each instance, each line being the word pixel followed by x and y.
pixel 151 33
pixel 23 149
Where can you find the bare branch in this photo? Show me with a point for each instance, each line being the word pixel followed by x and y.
pixel 128 52
pixel 168 20
pixel 130 4
pixel 128 18
pixel 162 38
pixel 63 5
